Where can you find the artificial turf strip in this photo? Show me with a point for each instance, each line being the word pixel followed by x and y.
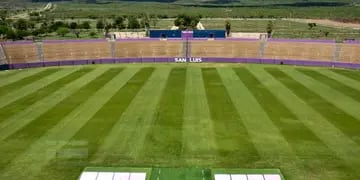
pixel 26 101
pixel 343 88
pixel 164 140
pixel 352 74
pixel 36 128
pixel 93 133
pixel 232 139
pixel 26 80
pixel 302 140
pixel 345 122
pixel 181 174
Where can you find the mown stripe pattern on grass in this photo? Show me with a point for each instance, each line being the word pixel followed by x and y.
pixel 353 74
pixel 36 128
pixel 164 138
pixel 24 102
pixel 232 138
pixel 27 80
pixel 87 140
pixel 302 140
pixel 221 122
pixel 345 122
pixel 343 88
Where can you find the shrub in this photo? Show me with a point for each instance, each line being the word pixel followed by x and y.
pixel 62 31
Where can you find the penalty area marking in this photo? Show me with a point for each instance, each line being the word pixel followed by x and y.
pixel 113 176
pixel 247 177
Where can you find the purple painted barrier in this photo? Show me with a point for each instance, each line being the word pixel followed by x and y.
pixel 187 34
pixel 81 62
pixel 35 65
pixel 301 40
pixel 242 39
pixel 269 61
pixel 107 61
pixel 66 63
pixel 255 61
pixel 74 41
pixel 147 60
pixel 125 60
pixel 162 60
pixel 51 63
pixel 17 42
pixel 18 66
pixel 148 39
pixel 170 60
pixel 352 42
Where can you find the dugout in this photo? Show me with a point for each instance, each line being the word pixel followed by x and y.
pixel 165 34
pixel 209 34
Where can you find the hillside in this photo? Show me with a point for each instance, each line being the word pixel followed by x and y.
pixel 217 2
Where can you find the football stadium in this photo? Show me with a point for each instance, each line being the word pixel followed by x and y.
pixel 180 105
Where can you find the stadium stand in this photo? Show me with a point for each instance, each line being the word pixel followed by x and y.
pixel 296 52
pixel 350 53
pixel 225 48
pixel 148 49
pixel 21 53
pixel 300 51
pixel 76 50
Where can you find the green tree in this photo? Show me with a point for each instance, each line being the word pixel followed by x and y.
pixel 92 34
pixel 3 30
pixel 326 33
pixel 3 14
pixel 107 28
pixel 62 31
pixel 227 28
pixel 119 22
pixel 145 21
pixel 73 25
pixel 54 26
pixel 11 34
pixel 21 24
pixel 184 21
pixel 100 24
pixel 77 33
pixel 133 22
pixel 269 28
pixel 85 25
pixel 154 20
pixel 311 25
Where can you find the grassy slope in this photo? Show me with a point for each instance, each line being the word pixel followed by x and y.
pixel 302 120
pixel 67 9
pixel 281 29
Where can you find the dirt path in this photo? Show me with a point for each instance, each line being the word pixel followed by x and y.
pixel 323 22
pixel 327 22
pixel 25 15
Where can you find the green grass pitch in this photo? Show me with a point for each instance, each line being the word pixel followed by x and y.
pixel 54 122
